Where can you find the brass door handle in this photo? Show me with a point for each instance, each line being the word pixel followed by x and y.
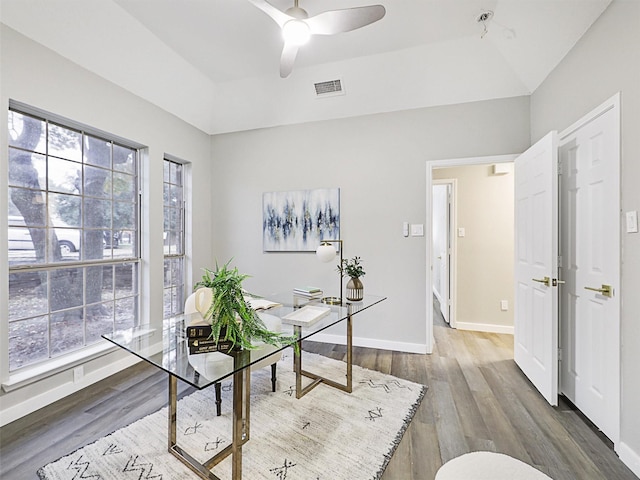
pixel 605 291
pixel 545 280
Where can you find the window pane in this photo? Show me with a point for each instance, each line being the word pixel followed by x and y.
pixel 65 143
pixel 28 342
pixel 27 132
pixel 97 151
pixel 124 187
pixel 27 294
pixel 67 246
pixel 166 171
pixel 21 248
pixel 126 245
pixel 124 215
pixel 65 288
pixel 97 182
pixel 126 280
pixel 167 308
pixel 93 246
pixel 99 320
pixel 178 174
pixel 106 280
pixel 176 196
pixel 126 313
pixel 67 331
pixel 65 210
pixel 124 159
pixel 27 170
pixel 64 176
pixel 97 213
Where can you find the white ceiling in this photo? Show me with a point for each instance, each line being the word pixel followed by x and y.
pixel 215 63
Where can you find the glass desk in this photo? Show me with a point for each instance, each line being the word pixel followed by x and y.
pixel 167 349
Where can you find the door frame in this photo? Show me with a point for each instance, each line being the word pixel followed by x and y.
pixel 445 163
pixel 452 217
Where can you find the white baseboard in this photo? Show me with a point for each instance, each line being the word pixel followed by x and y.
pixel 8 415
pixel 371 343
pixel 485 327
pixel 629 457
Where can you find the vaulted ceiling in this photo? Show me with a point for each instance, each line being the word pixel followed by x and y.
pixel 215 63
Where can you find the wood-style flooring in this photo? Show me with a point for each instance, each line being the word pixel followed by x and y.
pixel 477 400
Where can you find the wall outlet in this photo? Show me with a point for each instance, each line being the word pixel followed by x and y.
pixel 78 373
pixel 504 305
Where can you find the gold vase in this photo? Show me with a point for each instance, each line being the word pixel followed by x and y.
pixel 355 290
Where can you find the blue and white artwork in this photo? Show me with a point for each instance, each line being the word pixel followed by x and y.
pixel 297 221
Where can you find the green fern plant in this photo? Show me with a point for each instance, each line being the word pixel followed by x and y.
pixel 231 317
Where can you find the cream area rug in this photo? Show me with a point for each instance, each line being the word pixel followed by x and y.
pixel 326 435
pixel 488 466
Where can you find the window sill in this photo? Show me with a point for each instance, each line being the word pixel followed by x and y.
pixel 29 375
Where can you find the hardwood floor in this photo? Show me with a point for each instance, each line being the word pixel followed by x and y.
pixel 477 400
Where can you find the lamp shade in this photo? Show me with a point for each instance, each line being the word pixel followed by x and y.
pixel 326 252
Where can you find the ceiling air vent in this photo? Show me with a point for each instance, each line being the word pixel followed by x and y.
pixel 329 89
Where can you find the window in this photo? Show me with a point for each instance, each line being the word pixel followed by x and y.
pixel 174 257
pixel 73 230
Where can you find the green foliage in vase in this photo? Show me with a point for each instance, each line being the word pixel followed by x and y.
pixel 231 315
pixel 351 268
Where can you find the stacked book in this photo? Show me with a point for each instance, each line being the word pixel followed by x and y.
pixel 199 340
pixel 308 292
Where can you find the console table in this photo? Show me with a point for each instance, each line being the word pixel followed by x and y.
pixel 167 349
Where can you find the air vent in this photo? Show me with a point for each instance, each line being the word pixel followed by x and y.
pixel 329 89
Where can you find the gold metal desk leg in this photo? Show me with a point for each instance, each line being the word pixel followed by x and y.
pixel 240 425
pixel 317 379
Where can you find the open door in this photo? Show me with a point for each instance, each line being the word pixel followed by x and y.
pixel 441 250
pixel 536 265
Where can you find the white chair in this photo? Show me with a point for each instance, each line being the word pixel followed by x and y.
pixel 211 365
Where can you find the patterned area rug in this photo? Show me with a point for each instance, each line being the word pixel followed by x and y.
pixel 326 435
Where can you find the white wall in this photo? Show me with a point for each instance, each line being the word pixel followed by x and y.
pixel 607 60
pixel 484 205
pixel 36 76
pixel 379 163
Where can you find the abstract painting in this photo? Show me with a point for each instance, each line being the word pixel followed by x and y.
pixel 297 221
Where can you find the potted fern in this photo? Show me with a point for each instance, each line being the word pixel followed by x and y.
pixel 231 317
pixel 353 269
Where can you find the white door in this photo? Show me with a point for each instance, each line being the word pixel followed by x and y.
pixel 441 246
pixel 536 256
pixel 590 237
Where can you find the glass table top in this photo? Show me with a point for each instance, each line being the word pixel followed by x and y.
pixel 167 349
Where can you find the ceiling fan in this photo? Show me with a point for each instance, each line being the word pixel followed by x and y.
pixel 297 27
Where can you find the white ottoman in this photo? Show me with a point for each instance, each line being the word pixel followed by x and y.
pixel 488 466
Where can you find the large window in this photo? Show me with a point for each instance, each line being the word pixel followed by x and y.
pixel 174 257
pixel 73 235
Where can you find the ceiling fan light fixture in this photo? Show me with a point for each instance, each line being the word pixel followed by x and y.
pixel 296 32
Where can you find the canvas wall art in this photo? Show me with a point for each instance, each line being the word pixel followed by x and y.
pixel 297 221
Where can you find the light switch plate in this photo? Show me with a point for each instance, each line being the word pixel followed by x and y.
pixel 461 232
pixel 632 222
pixel 417 230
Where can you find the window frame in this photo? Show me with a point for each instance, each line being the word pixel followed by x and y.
pixel 90 347
pixel 181 287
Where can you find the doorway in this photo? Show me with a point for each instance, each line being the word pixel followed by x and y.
pixel 431 167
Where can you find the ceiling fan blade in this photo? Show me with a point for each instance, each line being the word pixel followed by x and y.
pixel 338 21
pixel 280 17
pixel 287 59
